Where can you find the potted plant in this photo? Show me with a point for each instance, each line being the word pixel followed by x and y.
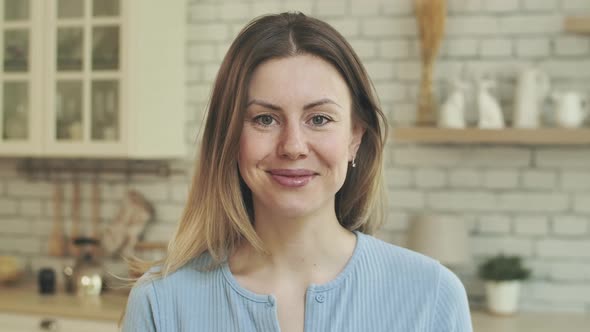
pixel 503 275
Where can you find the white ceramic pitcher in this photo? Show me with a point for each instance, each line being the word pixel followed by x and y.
pixel 571 109
pixel 532 88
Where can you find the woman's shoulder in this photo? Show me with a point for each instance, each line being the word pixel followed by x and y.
pixel 410 268
pixel 394 259
pixel 195 272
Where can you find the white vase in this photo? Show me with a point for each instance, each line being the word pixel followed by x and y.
pixel 502 296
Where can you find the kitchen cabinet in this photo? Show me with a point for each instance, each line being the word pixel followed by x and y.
pixel 92 78
pixel 37 323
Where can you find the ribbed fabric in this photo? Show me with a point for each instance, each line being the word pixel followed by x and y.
pixel 382 288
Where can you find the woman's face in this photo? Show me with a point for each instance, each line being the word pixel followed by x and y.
pixel 298 136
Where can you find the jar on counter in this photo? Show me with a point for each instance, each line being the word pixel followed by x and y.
pixel 88 269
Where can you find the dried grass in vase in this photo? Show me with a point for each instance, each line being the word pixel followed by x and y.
pixel 431 17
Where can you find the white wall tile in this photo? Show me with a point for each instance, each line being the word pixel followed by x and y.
pixel 464 178
pixel 495 47
pixel 571 225
pixel 493 245
pixel 538 179
pixel 573 180
pixel 501 6
pixel 398 178
pixel 532 47
pixel 540 5
pixel 430 178
pixel 495 179
pixel 8 206
pixel 531 225
pixel 530 24
pixel 532 202
pixel 329 8
pixel 571 45
pixel 494 224
pixel 412 199
pixel 564 249
pixel 461 200
pixel 235 12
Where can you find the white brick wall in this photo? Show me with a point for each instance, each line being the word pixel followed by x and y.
pixel 532 47
pixel 461 200
pixel 472 26
pixel 575 180
pixel 531 225
pixel 501 6
pixel 571 248
pixel 582 203
pixel 564 271
pixel 494 224
pixel 530 24
pixel 496 48
pixel 398 178
pixel 540 5
pixel 571 225
pixel 539 179
pixel 571 45
pixel 532 201
pixel 410 199
pixel 430 178
pixel 509 245
pixel 461 47
pixel 460 177
pixel 497 179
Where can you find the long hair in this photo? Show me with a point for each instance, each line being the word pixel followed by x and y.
pixel 218 215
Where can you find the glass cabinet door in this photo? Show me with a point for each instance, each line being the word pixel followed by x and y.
pixel 16 78
pixel 86 71
pixel 105 55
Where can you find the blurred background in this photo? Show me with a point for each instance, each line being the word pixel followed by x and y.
pixel 102 103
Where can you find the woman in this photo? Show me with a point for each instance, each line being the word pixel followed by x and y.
pixel 275 234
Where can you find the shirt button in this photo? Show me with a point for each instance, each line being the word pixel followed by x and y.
pixel 320 298
pixel 271 302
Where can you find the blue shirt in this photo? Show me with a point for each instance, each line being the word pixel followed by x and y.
pixel 383 287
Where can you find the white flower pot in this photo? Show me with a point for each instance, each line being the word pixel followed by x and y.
pixel 502 296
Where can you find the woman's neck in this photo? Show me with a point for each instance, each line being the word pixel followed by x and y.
pixel 307 250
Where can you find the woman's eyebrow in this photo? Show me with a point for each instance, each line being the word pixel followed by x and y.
pixel 320 102
pixel 305 107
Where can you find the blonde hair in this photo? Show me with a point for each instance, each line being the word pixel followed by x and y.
pixel 218 214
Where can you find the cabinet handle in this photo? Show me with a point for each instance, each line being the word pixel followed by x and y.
pixel 48 324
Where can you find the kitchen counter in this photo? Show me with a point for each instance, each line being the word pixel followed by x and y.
pixel 26 300
pixel 534 322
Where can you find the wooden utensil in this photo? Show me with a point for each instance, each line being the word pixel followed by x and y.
pixel 75 231
pixel 95 233
pixel 57 240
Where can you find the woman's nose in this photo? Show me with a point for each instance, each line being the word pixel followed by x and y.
pixel 293 143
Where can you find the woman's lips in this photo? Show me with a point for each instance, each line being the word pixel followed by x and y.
pixel 292 177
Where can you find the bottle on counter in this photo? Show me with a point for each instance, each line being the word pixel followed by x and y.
pixel 46 279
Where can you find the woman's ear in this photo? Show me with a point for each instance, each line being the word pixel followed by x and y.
pixel 357 136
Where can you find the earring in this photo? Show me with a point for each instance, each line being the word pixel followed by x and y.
pixel 353 161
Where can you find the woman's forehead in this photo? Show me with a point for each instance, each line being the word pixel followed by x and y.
pixel 301 78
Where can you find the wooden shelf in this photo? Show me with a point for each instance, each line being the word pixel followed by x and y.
pixel 146 246
pixel 543 136
pixel 577 24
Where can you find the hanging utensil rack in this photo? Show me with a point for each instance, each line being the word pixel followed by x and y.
pixel 42 168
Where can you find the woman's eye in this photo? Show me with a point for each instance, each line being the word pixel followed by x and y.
pixel 265 120
pixel 319 120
